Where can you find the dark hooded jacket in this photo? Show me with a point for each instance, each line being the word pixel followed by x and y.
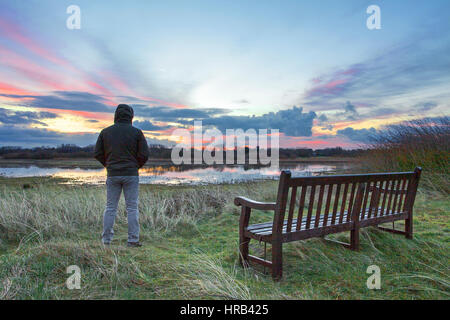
pixel 122 148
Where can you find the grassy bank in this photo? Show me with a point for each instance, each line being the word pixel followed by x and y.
pixel 190 236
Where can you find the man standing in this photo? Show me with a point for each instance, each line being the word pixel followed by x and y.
pixel 122 149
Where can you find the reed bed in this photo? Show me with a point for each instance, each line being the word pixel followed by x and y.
pixel 403 146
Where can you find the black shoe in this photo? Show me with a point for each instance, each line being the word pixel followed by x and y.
pixel 134 244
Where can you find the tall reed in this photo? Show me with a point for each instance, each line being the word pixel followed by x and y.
pixel 403 146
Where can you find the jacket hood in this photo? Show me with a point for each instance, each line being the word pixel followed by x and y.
pixel 124 114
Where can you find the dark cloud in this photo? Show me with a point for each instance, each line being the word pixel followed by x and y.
pixel 24 117
pixel 382 112
pixel 163 113
pixel 292 122
pixel 32 137
pixel 358 135
pixel 148 126
pixel 323 122
pixel 349 108
pixel 15 135
pixel 426 106
pixel 84 101
pixel 323 118
pixel 67 100
pixel 349 114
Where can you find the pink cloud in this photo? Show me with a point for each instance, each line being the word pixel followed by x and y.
pixel 333 85
pixel 31 70
pixel 6 88
pixel 14 32
pixel 330 87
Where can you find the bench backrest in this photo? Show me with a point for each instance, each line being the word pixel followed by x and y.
pixel 333 200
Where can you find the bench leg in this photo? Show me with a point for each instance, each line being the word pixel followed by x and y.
pixel 243 251
pixel 409 228
pixel 243 240
pixel 354 239
pixel 277 260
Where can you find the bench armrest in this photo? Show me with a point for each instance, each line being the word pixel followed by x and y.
pixel 245 202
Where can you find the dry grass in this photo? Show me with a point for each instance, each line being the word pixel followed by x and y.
pixel 191 241
pixel 403 146
pixel 46 211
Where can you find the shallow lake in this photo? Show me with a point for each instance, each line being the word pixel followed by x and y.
pixel 176 174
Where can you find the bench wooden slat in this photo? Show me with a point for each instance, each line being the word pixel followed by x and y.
pixel 343 203
pixel 319 206
pixel 379 200
pixel 388 207
pixel 365 199
pixel 385 194
pixel 395 196
pixel 292 207
pixel 362 178
pixel 402 194
pixel 301 204
pixel 310 206
pixel 374 221
pixel 328 203
pixel 266 228
pixel 374 199
pixel 268 225
pixel 352 198
pixel 336 202
pixel 319 232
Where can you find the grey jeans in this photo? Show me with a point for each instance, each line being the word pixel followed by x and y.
pixel 114 187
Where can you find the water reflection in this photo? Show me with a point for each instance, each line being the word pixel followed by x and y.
pixel 170 175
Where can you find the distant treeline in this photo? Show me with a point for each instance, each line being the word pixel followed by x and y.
pixel 68 151
pixel 156 152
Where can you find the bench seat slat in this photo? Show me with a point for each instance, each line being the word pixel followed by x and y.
pixel 266 228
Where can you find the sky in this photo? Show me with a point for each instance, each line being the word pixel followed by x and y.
pixel 311 69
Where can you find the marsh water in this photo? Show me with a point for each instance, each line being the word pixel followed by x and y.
pixel 169 174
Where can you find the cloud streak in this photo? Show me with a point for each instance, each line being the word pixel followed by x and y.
pixel 358 135
pixel 24 117
pixel 66 100
pixel 418 65
pixel 11 135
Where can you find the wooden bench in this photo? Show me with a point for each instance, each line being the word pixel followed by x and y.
pixel 318 206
